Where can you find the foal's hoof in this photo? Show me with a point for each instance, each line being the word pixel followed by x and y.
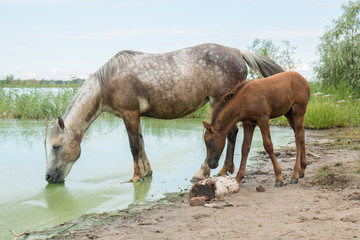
pixel 301 175
pixel 293 181
pixel 279 184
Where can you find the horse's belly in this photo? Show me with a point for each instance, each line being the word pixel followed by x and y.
pixel 173 109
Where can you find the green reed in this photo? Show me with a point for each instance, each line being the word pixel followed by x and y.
pixel 332 108
pixel 335 107
pixel 329 108
pixel 34 104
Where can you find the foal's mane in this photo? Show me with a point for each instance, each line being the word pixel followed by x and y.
pixel 119 60
pixel 225 99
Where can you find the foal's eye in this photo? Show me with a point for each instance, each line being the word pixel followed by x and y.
pixel 56 147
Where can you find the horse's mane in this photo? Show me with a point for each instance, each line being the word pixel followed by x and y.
pixel 225 99
pixel 119 60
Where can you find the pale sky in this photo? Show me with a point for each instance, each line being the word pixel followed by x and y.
pixel 54 39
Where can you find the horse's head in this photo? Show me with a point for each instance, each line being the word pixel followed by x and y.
pixel 65 150
pixel 214 142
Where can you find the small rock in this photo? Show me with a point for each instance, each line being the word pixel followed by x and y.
pixel 260 189
pixel 198 201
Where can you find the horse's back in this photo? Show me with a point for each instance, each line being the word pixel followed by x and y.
pixel 174 84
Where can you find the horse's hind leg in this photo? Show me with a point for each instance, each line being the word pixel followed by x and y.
pixel 141 163
pixel 265 132
pixel 229 159
pixel 300 163
pixel 297 167
pixel 248 134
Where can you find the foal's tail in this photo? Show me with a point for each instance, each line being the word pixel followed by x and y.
pixel 261 64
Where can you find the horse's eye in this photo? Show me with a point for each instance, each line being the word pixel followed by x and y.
pixel 55 147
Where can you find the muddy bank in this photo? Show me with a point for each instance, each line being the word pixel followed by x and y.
pixel 324 205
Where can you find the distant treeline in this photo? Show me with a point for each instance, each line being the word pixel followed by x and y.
pixel 33 82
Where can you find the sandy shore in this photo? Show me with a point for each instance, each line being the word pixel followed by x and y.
pixel 324 205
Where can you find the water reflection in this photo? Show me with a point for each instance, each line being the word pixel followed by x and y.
pixel 141 189
pixel 59 199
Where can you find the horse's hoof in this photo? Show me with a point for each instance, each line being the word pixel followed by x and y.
pixel 149 174
pixel 279 184
pixel 293 181
pixel 222 174
pixel 301 175
pixel 135 179
pixel 196 179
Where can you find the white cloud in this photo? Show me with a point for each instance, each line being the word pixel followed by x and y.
pixel 53 71
pixel 291 34
pixel 31 75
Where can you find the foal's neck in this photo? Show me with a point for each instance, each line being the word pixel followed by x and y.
pixel 84 108
pixel 227 117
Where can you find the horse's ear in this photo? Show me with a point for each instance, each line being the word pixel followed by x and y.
pixel 207 126
pixel 61 123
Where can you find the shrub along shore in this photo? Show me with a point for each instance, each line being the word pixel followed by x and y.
pixel 328 107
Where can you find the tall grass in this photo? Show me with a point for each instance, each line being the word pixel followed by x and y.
pixel 34 104
pixel 328 108
pixel 332 108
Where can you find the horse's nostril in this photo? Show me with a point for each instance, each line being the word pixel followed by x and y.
pixel 47 177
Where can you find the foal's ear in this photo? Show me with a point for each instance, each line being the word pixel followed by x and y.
pixel 61 123
pixel 207 126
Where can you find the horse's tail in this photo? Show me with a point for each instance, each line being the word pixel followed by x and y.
pixel 261 64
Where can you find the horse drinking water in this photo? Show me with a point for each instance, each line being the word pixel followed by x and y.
pixel 254 103
pixel 166 86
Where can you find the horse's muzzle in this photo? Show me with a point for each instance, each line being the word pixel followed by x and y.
pixel 213 164
pixel 54 177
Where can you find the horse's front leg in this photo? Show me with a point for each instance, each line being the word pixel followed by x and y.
pixel 265 132
pixel 202 173
pixel 248 135
pixel 229 159
pixel 141 164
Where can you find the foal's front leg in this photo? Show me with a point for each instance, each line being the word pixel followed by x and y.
pixel 141 163
pixel 229 159
pixel 204 171
pixel 248 135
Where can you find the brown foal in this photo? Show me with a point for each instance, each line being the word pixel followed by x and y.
pixel 254 103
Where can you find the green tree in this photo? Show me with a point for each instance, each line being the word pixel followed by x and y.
pixel 282 55
pixel 339 51
pixel 9 78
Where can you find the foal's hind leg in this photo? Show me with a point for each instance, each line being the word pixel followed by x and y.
pixel 300 164
pixel 141 164
pixel 229 159
pixel 265 132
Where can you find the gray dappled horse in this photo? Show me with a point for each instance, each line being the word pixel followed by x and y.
pixel 165 86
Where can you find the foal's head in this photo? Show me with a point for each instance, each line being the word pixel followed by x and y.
pixel 65 150
pixel 214 142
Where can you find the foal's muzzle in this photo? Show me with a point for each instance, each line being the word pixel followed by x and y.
pixel 212 163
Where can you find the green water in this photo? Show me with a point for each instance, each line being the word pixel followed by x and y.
pixel 175 149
